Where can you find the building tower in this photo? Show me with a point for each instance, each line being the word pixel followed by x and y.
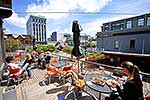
pixel 36 27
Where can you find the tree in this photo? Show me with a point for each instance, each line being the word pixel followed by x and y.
pixel 12 44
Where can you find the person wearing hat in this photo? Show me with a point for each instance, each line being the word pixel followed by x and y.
pixel 133 87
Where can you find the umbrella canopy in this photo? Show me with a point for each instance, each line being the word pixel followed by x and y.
pixel 76 35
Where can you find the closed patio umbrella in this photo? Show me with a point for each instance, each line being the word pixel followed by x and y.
pixel 76 40
pixel 76 35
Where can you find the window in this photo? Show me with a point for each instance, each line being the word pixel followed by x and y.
pixel 132 44
pixel 113 26
pixel 121 25
pixel 148 21
pixel 106 28
pixel 140 22
pixel 129 24
pixel 116 44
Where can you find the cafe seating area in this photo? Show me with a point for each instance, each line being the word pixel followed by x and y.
pixel 63 80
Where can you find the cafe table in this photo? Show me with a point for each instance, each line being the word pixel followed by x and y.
pixel 100 88
pixel 59 64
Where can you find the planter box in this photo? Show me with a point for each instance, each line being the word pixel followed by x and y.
pixel 9 93
pixel 91 59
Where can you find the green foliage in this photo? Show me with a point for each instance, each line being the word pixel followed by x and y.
pixel 67 49
pixel 45 48
pixel 69 42
pixel 30 49
pixel 51 48
pixel 93 45
pixel 12 44
pixel 96 55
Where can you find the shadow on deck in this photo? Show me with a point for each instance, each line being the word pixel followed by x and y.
pixel 34 89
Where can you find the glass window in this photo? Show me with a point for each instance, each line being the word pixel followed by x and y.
pixel 132 44
pixel 121 25
pixel 148 21
pixel 140 22
pixel 129 24
pixel 106 28
pixel 116 44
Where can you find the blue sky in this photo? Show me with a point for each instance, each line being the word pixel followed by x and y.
pixel 62 22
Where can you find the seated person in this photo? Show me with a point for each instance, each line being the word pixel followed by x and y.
pixel 11 66
pixel 132 89
pixel 27 65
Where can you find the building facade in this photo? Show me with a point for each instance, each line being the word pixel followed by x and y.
pixel 26 40
pixel 54 36
pixel 131 35
pixel 36 26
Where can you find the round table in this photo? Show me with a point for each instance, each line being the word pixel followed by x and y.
pixel 99 88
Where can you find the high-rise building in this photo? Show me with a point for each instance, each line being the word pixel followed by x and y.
pixel 36 27
pixel 54 36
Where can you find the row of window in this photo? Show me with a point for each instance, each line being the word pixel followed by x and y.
pixel 39 20
pixel 129 24
pixel 132 44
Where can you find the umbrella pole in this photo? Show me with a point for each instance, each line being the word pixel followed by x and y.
pixel 78 65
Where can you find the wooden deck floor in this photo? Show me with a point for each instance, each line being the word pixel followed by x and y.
pixel 33 89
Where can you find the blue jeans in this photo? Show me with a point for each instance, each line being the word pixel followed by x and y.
pixel 26 67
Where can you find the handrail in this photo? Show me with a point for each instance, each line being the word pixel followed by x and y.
pixel 99 64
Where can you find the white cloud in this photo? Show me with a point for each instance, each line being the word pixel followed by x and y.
pixel 56 6
pixel 92 5
pixel 91 28
pixel 65 6
pixel 16 20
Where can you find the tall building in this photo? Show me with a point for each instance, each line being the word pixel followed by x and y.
pixel 131 35
pixel 36 26
pixel 54 36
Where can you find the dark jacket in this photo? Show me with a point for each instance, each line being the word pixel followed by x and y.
pixel 130 91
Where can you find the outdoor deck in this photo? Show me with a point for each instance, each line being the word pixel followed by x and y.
pixel 33 89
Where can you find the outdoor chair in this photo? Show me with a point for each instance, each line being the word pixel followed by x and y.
pixel 51 72
pixel 17 58
pixel 147 97
pixel 52 61
pixel 13 75
pixel 67 95
pixel 66 69
pixel 3 74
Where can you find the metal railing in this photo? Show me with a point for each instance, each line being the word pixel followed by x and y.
pixel 95 63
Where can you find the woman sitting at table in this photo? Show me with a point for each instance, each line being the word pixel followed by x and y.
pixel 132 89
pixel 27 65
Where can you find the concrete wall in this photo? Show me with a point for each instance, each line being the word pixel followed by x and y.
pixel 141 43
